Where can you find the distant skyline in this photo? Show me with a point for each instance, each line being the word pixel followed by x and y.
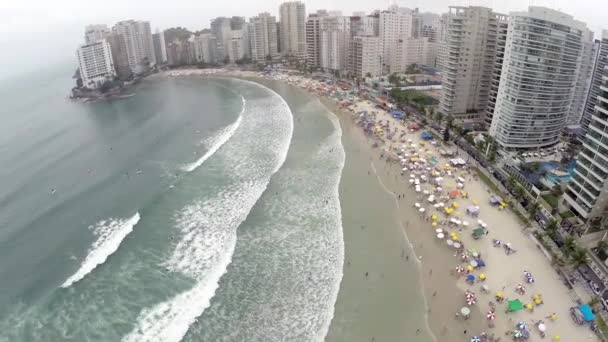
pixel 41 32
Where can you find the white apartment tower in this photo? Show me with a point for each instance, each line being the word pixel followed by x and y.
pixel 502 28
pixel 395 23
pixel 601 61
pixel 468 62
pixel 313 38
pixel 239 45
pixel 409 50
pixel 221 29
pixel 587 192
pixel 202 48
pixel 139 45
pixel 540 69
pixel 96 65
pixel 583 80
pixel 364 25
pixel 160 47
pixel 334 37
pixel 263 37
pixel 293 29
pixel 364 56
pixel 93 33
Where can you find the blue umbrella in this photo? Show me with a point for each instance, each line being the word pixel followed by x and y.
pixel 470 277
pixel 521 325
pixel 475 339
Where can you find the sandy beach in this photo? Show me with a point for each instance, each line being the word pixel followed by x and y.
pixel 393 162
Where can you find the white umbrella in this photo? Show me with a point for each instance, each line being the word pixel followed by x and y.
pixel 418 189
pixel 438 230
pixel 542 327
pixel 439 189
pixel 465 311
pixel 436 205
pixel 484 225
pixel 422 210
pixel 426 192
pixel 473 263
pixel 404 169
pixel 440 236
pixel 450 242
pixel 457 245
pixel 465 223
pixel 417 205
pixel 411 181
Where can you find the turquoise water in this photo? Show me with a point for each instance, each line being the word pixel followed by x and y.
pixel 195 210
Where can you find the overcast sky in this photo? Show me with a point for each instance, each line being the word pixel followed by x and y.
pixel 39 32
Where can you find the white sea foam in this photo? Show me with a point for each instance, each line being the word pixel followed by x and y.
pixel 216 141
pixel 209 225
pixel 110 234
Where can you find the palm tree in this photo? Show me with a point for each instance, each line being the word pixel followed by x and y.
pixel 579 257
pixel 533 209
pixel 551 225
pixel 569 246
pixel 512 182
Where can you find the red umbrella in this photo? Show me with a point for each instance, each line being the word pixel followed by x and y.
pixel 491 315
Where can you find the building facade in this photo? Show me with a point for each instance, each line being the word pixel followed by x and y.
pixel 335 34
pixel 139 46
pixel 293 29
pixel 120 56
pixel 587 192
pixel 263 38
pixel 468 62
pixel 239 45
pixel 364 56
pixel 202 45
pixel 502 28
pixel 96 65
pixel 394 24
pixel 540 69
pixel 409 50
pixel 583 80
pixel 94 33
pixel 220 28
pixel 313 38
pixel 160 47
pixel 600 62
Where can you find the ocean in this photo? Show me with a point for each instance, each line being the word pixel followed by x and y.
pixel 196 210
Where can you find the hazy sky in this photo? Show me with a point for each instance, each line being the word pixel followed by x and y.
pixel 38 32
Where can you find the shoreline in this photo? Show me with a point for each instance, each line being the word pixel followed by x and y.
pixel 442 291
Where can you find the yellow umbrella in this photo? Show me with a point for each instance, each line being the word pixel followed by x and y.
pixel 499 295
pixel 434 224
pixel 475 202
pixel 557 338
pixel 469 268
pixel 482 276
pixel 457 213
pixel 553 316
pixel 529 306
pixel 434 217
pixel 455 204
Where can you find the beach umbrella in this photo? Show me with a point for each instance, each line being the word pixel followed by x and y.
pixel 449 242
pixel 417 205
pixel 440 236
pixel 521 288
pixel 521 325
pixel 438 230
pixel 465 311
pixel 485 287
pixel 470 268
pixel 422 210
pixel 465 223
pixel 474 263
pixel 471 301
pixel 491 315
pixel 557 338
pixel 457 245
pixel 529 306
pixel 482 276
pixel 434 224
pixel 475 202
pixel 542 327
pixel 434 217
pixel 518 334
pixel 455 204
pixel 459 269
pixel 411 180
pixel 499 295
pixel 553 316
pixel 475 339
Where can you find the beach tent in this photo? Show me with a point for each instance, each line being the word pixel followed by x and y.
pixel 473 210
pixel 495 200
pixel 479 232
pixel 587 313
pixel 426 136
pixel 515 305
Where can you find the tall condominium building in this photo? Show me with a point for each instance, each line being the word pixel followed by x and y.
pixel 237 23
pixel 365 25
pixel 203 48
pixel 335 34
pixel 364 56
pixel 220 28
pixel 263 37
pixel 601 61
pixel 138 40
pixel 502 28
pixel 160 48
pixel 313 38
pixel 468 63
pixel 583 80
pixel 442 48
pixel 120 57
pixel 239 45
pixel 96 65
pixel 540 70
pixel 180 52
pixel 93 33
pixel 293 29
pixel 587 192
pixel 409 50
pixel 395 23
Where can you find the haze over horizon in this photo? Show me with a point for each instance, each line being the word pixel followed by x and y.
pixel 23 22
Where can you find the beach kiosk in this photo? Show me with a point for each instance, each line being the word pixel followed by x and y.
pixel 515 305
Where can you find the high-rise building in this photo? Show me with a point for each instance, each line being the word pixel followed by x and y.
pixel 364 56
pixel 313 38
pixel 429 26
pixel 293 29
pixel 160 48
pixel 365 25
pixel 468 63
pixel 202 46
pixel 239 45
pixel 583 80
pixel 138 40
pixel 394 24
pixel 587 192
pixel 220 28
pixel 540 69
pixel 263 37
pixel 237 23
pixel 409 50
pixel 181 52
pixel 93 33
pixel 502 28
pixel 96 65
pixel 335 34
pixel 119 55
pixel 601 61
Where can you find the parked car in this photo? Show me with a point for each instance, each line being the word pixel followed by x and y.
pixel 576 315
pixel 595 287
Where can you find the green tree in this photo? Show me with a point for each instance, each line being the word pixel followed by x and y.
pixel 569 246
pixel 368 75
pixel 518 192
pixel 533 208
pixel 551 225
pixel 579 257
pixel 446 135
